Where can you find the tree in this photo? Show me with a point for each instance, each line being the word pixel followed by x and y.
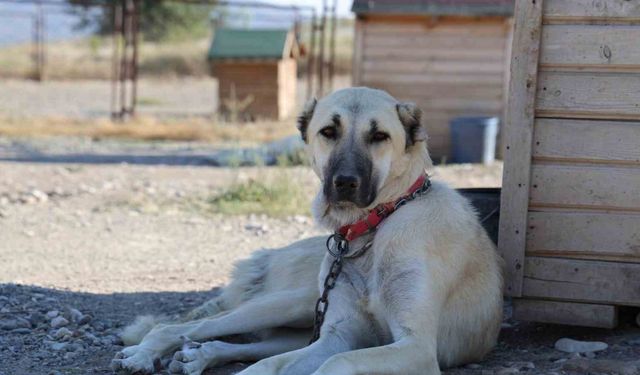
pixel 159 20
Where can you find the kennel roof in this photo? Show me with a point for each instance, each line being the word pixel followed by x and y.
pixel 435 7
pixel 252 44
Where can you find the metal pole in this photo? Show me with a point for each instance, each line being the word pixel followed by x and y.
pixel 123 62
pixel 126 68
pixel 311 56
pixel 115 61
pixel 43 44
pixel 38 43
pixel 321 61
pixel 134 62
pixel 332 44
pixel 34 45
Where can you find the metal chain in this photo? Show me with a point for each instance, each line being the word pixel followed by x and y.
pixel 337 246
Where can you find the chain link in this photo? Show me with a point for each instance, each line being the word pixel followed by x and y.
pixel 338 247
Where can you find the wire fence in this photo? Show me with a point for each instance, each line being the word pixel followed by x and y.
pixel 95 59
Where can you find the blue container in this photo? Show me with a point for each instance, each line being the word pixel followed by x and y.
pixel 473 139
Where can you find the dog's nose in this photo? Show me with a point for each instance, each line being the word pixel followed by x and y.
pixel 346 184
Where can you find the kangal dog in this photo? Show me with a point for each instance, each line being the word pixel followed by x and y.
pixel 426 293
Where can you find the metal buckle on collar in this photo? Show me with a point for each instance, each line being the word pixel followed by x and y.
pixel 337 245
pixel 423 189
pixel 401 202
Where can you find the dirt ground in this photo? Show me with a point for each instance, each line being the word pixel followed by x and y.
pixel 84 248
pixel 90 99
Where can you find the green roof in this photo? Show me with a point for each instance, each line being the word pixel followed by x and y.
pixel 235 43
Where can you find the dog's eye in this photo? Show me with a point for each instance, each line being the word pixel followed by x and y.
pixel 329 132
pixel 379 137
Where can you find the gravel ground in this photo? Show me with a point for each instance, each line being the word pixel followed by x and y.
pixel 85 248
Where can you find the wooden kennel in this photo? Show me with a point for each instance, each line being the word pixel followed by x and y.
pixel 449 57
pixel 570 206
pixel 257 67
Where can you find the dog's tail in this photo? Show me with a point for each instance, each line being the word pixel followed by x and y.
pixel 134 332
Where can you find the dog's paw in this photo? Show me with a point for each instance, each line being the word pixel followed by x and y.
pixel 133 360
pixel 191 360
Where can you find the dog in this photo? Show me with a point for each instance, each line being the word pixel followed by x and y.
pixel 420 291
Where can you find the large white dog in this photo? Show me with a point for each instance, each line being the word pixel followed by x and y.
pixel 419 291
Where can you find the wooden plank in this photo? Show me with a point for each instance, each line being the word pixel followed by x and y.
pixel 409 54
pixel 582 280
pixel 433 41
pixel 568 313
pixel 585 186
pixel 425 67
pixel 508 24
pixel 429 39
pixel 584 235
pixel 408 28
pixel 587 95
pixel 287 85
pixel 518 135
pixel 587 47
pixel 415 92
pixel 587 141
pixel 591 11
pixel 432 78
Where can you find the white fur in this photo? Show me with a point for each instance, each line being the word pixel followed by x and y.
pixel 428 294
pixel 136 331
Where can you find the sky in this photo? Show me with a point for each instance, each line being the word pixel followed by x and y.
pixel 344 6
pixel 60 26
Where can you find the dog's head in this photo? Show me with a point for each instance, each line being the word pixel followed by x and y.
pixel 359 142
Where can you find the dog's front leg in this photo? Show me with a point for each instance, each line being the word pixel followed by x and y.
pixel 195 357
pixel 409 299
pixel 307 360
pixel 347 327
pixel 293 309
pixel 409 356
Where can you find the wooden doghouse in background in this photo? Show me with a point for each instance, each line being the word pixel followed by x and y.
pixel 448 56
pixel 256 72
pixel 570 209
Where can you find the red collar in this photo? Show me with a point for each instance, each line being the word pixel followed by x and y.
pixel 370 223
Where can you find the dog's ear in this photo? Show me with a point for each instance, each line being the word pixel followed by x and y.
pixel 305 118
pixel 411 118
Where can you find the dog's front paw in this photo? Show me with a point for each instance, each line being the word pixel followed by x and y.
pixel 191 360
pixel 135 359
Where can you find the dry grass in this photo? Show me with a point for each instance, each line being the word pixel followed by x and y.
pixel 276 197
pixel 90 58
pixel 149 129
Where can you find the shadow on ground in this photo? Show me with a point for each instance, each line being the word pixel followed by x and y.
pixel 30 345
pixel 50 331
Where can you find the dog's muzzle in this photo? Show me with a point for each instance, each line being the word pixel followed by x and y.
pixel 349 188
pixel 349 177
pixel 346 187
